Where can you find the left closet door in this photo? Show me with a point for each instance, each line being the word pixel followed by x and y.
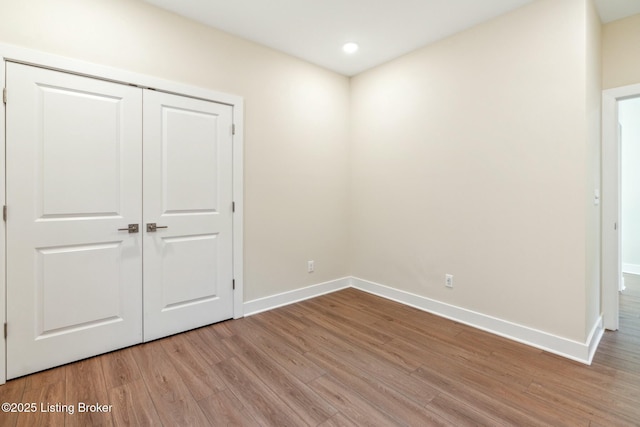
pixel 74 186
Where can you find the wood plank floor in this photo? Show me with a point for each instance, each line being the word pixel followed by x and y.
pixel 344 359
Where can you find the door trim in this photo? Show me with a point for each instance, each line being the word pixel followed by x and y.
pixel 610 249
pixel 3 258
pixel 73 66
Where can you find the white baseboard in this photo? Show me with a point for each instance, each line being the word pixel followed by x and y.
pixel 631 268
pixel 593 340
pixel 279 300
pixel 578 351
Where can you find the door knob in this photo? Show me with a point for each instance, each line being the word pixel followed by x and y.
pixel 132 228
pixel 151 227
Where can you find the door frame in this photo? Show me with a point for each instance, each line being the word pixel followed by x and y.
pixel 59 63
pixel 611 241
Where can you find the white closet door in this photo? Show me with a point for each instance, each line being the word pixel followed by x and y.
pixel 188 261
pixel 74 282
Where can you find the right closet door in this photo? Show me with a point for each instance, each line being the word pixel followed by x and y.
pixel 188 224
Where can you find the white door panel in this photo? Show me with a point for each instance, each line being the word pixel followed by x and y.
pixel 73 179
pixel 188 190
pixel 85 159
pixel 70 119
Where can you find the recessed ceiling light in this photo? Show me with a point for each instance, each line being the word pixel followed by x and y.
pixel 350 47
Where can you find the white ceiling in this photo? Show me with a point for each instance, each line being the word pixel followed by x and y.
pixel 315 30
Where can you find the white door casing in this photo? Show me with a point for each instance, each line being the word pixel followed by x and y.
pixel 188 189
pixel 74 282
pixel 3 259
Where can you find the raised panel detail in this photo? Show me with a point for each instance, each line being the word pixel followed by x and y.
pixel 189 270
pixel 80 153
pixel 190 158
pixel 77 287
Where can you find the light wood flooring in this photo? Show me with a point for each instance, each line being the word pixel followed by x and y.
pixel 344 359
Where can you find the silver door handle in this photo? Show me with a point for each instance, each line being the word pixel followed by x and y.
pixel 132 228
pixel 151 227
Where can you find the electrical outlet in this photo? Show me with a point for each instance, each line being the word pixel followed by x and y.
pixel 311 266
pixel 448 280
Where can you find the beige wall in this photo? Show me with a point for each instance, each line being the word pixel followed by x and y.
pixel 296 116
pixel 471 157
pixel 621 52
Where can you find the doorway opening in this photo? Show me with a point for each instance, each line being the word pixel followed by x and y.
pixel 629 119
pixel 621 198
